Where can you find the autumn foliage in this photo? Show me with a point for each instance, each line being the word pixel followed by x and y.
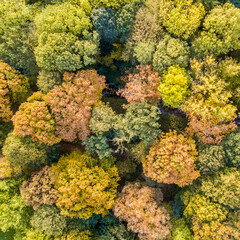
pixel 172 160
pixel 141 85
pixel 85 185
pixel 71 103
pixel 140 206
pixel 14 89
pixel 34 119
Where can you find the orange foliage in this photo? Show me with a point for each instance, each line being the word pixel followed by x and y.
pixel 171 160
pixel 72 102
pixel 34 119
pixel 141 85
pixel 14 88
pixel 208 132
pixel 138 205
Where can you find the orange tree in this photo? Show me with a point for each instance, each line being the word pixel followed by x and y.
pixel 172 160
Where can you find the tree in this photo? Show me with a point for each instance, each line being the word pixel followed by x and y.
pixel 181 230
pixel 170 51
pixel 172 160
pixel 14 89
pixel 223 187
pixel 47 80
pixel 104 22
pixel 81 181
pixel 115 4
pixel 145 33
pixel 174 86
pixel 76 235
pixel 140 207
pixel 141 85
pixel 219 37
pixel 211 158
pixel 47 220
pixel 231 144
pixel 22 152
pixel 181 18
pixel 5 129
pixel 72 102
pixel 17 36
pixel 209 106
pixel 14 214
pixel 64 40
pixel 32 234
pixel 39 189
pixel 7 170
pixel 34 119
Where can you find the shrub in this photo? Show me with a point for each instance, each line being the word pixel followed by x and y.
pixel 39 188
pixel 137 206
pixel 81 181
pixel 170 51
pixel 141 85
pixel 72 102
pixel 174 86
pixel 22 152
pixel 219 37
pixel 34 119
pixel 14 89
pixel 172 160
pixel 47 220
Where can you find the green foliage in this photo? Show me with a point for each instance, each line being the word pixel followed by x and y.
pixel 98 144
pixel 125 19
pixel 5 129
pixel 219 37
pixel 182 18
pixel 170 51
pixel 223 187
pixel 22 152
pixel 32 234
pixel 231 144
pixel 64 41
pixel 47 80
pixel 16 36
pixel 76 235
pixel 202 208
pixel 104 22
pixel 13 211
pixel 174 86
pixel 126 168
pixel 144 51
pixel 81 181
pixel 180 230
pixel 211 158
pixel 171 122
pixel 47 220
pixel 114 4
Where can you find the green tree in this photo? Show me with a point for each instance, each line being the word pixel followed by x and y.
pixel 14 214
pixel 23 152
pixel 181 17
pixel 81 181
pixel 219 37
pixel 64 39
pixel 17 36
pixel 174 86
pixel 48 220
pixel 170 51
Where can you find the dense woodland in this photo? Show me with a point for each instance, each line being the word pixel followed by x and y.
pixel 119 120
